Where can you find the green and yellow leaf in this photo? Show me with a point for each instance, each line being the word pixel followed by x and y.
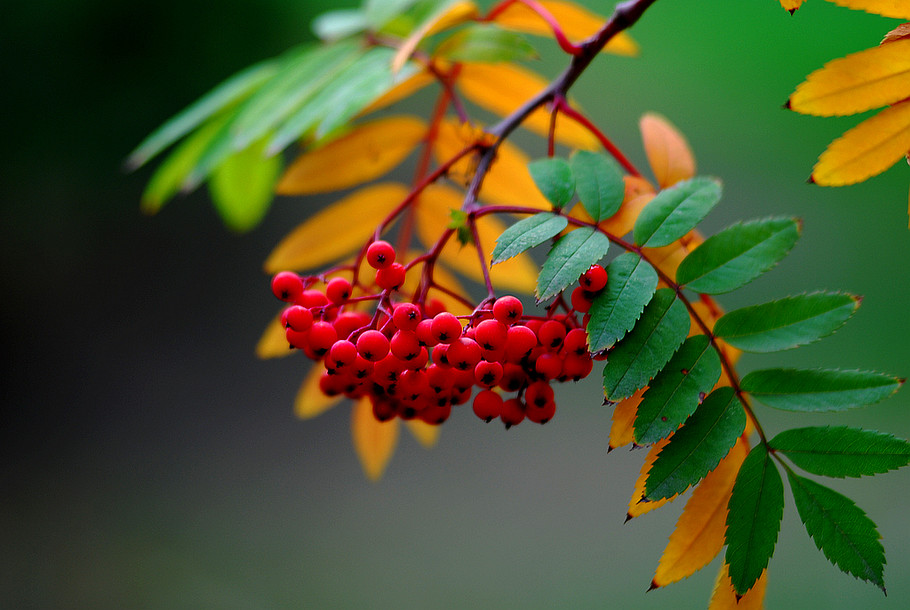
pixel 668 151
pixel 311 400
pixel 374 441
pixel 638 506
pixel 402 90
pixel 365 153
pixel 339 229
pixel 447 15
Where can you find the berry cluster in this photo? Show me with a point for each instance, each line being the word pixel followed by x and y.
pixel 416 360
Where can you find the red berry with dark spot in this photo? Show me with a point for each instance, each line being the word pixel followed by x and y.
pixel 446 328
pixel 513 412
pixel 338 290
pixel 287 286
pixel 549 365
pixel 343 353
pixel 519 341
pixel 322 337
pixel 404 345
pixel 507 310
pixel 406 316
pixel 391 277
pixel 491 334
pixel 380 254
pixel 312 298
pixel 487 374
pixel 487 405
pixel 552 334
pixel 576 342
pixel 594 279
pixel 463 354
pixel 299 318
pixel 372 345
pixel 582 300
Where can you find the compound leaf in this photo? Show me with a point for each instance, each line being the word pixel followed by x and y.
pixel 675 211
pixel 242 186
pixel 569 257
pixel 675 391
pixel 599 184
pixel 553 177
pixel 698 446
pixel 753 521
pixel 786 323
pixel 817 389
pixel 841 451
pixel 840 529
pixel 526 234
pixel 737 255
pixel 631 284
pixel 643 352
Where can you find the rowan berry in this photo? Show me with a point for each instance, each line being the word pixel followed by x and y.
pixel 446 328
pixel 513 377
pixel 594 279
pixel 513 412
pixel 297 339
pixel 433 307
pixel 540 413
pixel 420 360
pixel 380 254
pixel 549 365
pixel 387 370
pixel 538 393
pixel 298 317
pixel 287 286
pixel 343 353
pixel 507 310
pixel 463 354
pixel 519 341
pixel 491 334
pixel 391 277
pixel 312 298
pixel 338 290
pixel 577 368
pixel 372 345
pixel 582 299
pixel 406 316
pixel 405 345
pixel 487 405
pixel 424 332
pixel 552 334
pixel 321 338
pixel 361 368
pixel 576 342
pixel 349 321
pixel 436 414
pixel 383 410
pixel 488 374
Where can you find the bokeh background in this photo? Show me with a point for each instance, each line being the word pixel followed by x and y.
pixel 150 461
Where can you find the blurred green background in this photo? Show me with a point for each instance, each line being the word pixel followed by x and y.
pixel 150 461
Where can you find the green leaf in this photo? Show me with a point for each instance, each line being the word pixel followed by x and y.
pixel 840 529
pixel 171 174
pixel 484 42
pixel 243 185
pixel 379 12
pixel 227 93
pixel 570 256
pixel 698 447
pixel 643 352
pixel 676 390
pixel 553 177
pixel 302 76
pixel 527 233
pixel 342 23
pixel 675 211
pixel 786 323
pixel 841 451
pixel 737 255
pixel 630 285
pixel 754 514
pixel 599 183
pixel 818 390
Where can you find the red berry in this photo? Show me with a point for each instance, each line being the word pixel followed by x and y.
pixel 391 277
pixel 433 307
pixel 549 365
pixel 404 345
pixel 507 310
pixel 372 345
pixel 491 334
pixel 513 377
pixel 312 298
pixel 297 339
pixel 436 414
pixel 424 332
pixel 513 412
pixel 299 318
pixel 594 279
pixel 380 254
pixel 541 413
pixel 338 290
pixel 383 410
pixel 387 371
pixel 322 337
pixel 487 405
pixel 343 353
pixel 582 299
pixel 576 342
pixel 487 374
pixel 463 354
pixel 552 334
pixel 350 321
pixel 577 367
pixel 520 340
pixel 446 328
pixel 406 316
pixel 287 286
pixel 419 361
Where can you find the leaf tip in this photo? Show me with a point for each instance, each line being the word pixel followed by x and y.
pixel 653 586
pixel 786 105
pixel 791 11
pixel 629 517
pixel 857 300
pixel 811 179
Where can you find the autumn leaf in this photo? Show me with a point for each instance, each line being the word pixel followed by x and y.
pixel 311 400
pixel 791 5
pixel 899 9
pixel 576 22
pixel 637 504
pixel 668 152
pixel 273 343
pixel 426 434
pixel 337 230
pixel 503 88
pixel 724 596
pixel 374 441
pixel 402 90
pixel 367 152
pixel 446 16
pixel 622 429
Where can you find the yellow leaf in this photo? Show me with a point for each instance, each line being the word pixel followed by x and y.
pixel 791 5
pixel 503 88
pixel 699 533
pixel 367 152
pixel 310 400
pixel 519 273
pixel 577 24
pixel 374 441
pixel 724 596
pixel 668 258
pixel 866 150
pixel 899 9
pixel 426 434
pixel 403 89
pixel 668 152
pixel 273 343
pixel 445 16
pixel 636 506
pixel 507 182
pixel 339 229
pixel 621 430
pixel 856 83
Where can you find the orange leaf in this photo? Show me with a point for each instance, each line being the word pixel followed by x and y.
pixel 668 152
pixel 339 229
pixel 426 434
pixel 403 89
pixel 637 507
pixel 374 441
pixel 577 24
pixel 311 401
pixel 273 343
pixel 367 152
pixel 508 181
pixel 518 273
pixel 866 150
pixel 668 258
pixel 724 596
pixel 791 5
pixel 621 430
pixel 699 533
pixel 445 16
pixel 856 83
pixel 503 88
pixel 899 9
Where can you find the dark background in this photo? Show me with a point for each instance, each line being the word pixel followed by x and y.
pixel 150 461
